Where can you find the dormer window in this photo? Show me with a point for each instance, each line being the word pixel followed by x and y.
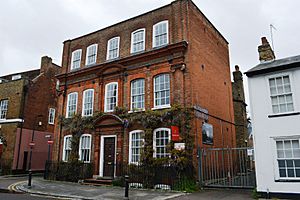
pixel 113 48
pixel 16 77
pixel 76 59
pixel 160 34
pixel 91 54
pixel 138 40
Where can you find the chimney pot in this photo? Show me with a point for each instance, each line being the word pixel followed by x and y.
pixel 265 51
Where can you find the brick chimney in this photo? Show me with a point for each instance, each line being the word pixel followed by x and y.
pixel 46 62
pixel 265 51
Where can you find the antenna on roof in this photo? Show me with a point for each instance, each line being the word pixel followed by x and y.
pixel 271 31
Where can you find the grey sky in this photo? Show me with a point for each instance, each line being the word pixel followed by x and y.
pixel 30 29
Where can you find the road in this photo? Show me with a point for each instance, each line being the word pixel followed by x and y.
pixel 12 196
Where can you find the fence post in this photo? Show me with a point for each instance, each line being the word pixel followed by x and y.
pixel 200 178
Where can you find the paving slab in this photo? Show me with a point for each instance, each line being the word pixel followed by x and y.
pixel 78 191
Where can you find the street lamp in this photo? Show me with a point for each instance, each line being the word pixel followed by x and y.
pixel 48 159
pixel 31 144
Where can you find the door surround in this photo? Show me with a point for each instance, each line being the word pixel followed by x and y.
pixel 101 162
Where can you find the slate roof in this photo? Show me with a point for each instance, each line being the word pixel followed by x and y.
pixel 275 65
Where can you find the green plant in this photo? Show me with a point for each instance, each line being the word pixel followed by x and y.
pixel 186 184
pixel 255 194
pixel 119 182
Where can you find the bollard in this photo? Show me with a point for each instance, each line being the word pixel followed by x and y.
pixel 126 187
pixel 29 178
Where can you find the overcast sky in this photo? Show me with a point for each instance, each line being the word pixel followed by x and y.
pixel 30 29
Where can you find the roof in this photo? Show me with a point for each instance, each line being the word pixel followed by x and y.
pixel 274 65
pixel 31 74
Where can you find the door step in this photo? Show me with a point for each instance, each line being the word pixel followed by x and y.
pixel 98 181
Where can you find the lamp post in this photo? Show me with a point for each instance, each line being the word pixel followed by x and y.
pixel 49 142
pixel 31 144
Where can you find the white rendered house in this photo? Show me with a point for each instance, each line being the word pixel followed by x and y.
pixel 274 90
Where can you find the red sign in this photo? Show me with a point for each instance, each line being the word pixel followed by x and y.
pixel 31 144
pixel 175 133
pixel 50 141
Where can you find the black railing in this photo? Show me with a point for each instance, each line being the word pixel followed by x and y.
pixel 164 177
pixel 64 171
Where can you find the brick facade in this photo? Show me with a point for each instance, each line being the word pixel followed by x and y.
pixel 196 59
pixel 29 99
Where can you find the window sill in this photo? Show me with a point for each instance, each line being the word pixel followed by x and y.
pixel 161 107
pixel 134 111
pixel 283 114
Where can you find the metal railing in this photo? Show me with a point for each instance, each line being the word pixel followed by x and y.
pixel 227 167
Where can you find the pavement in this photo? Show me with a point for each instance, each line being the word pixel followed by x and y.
pixel 66 190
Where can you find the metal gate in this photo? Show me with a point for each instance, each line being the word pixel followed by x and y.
pixel 227 167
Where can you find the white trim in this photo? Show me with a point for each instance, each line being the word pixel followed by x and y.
pixel 87 54
pixel 16 77
pixel 155 107
pixel 72 59
pixel 139 109
pixel 80 141
pixel 65 138
pixel 51 109
pixel 67 110
pixel 105 96
pixel 101 163
pixel 277 75
pixel 153 33
pixel 107 51
pixel 83 101
pixel 130 143
pixel 2 121
pixel 144 41
pixel 154 138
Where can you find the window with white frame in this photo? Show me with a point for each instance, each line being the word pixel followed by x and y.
pixel 51 116
pixel 85 148
pixel 16 77
pixel 281 94
pixel 67 147
pixel 138 41
pixel 76 59
pixel 111 97
pixel 91 54
pixel 161 91
pixel 161 139
pixel 113 48
pixel 136 145
pixel 72 104
pixel 3 108
pixel 138 94
pixel 160 34
pixel 288 158
pixel 88 101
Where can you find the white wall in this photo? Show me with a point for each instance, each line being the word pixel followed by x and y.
pixel 265 129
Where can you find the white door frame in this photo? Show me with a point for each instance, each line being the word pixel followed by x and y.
pixel 101 164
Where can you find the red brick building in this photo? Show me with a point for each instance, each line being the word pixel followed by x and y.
pixel 27 107
pixel 168 56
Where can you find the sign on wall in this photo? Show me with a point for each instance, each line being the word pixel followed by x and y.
pixel 179 146
pixel 175 133
pixel 207 133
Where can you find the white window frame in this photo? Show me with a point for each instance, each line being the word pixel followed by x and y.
pixel 108 48
pixel 130 145
pixel 154 35
pixel 106 96
pixel 51 117
pixel 3 109
pixel 79 60
pixel 88 49
pixel 68 102
pixel 154 91
pixel 67 149
pixel 131 95
pixel 154 140
pixel 275 156
pixel 281 75
pixel 16 77
pixel 83 102
pixel 143 41
pixel 90 147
